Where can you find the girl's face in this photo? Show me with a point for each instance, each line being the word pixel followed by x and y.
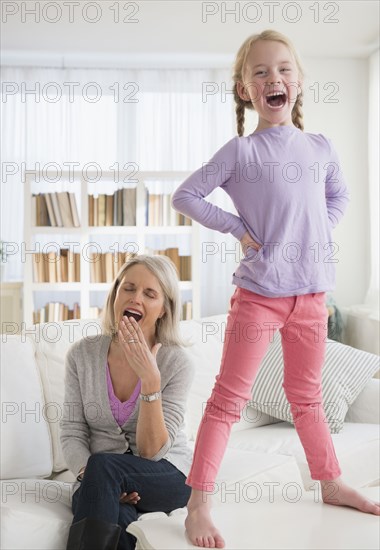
pixel 271 83
pixel 140 295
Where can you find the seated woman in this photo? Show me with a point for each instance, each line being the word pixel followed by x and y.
pixel 125 397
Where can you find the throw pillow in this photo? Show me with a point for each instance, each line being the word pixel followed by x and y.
pixel 345 373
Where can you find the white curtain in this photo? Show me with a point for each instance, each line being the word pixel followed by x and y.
pixel 372 298
pixel 158 119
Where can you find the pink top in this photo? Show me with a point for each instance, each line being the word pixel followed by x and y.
pixel 121 410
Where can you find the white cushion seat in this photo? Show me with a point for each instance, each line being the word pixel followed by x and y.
pixel 266 524
pixel 356 446
pixel 39 511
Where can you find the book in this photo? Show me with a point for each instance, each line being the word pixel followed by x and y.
pixel 119 207
pixel 65 209
pixel 92 259
pixel 49 204
pixel 36 260
pixel 102 210
pixel 91 210
pixel 185 268
pixel 76 311
pixel 63 267
pixel 173 254
pixel 52 269
pixel 96 210
pixel 109 210
pixel 77 267
pixel 74 210
pixel 129 206
pixel 70 266
pixel 56 209
pixel 43 269
pixel 42 214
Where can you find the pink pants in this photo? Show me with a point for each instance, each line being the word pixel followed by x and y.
pixel 302 321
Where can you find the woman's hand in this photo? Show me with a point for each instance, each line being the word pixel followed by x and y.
pixel 140 358
pixel 131 498
pixel 247 241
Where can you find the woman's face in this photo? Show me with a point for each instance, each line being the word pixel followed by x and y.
pixel 271 82
pixel 140 295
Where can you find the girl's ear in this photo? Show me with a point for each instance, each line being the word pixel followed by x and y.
pixel 242 91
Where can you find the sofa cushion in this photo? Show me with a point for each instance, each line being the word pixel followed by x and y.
pixel 52 343
pixel 345 373
pixel 285 522
pixel 206 338
pixel 356 446
pixel 26 449
pixel 36 514
pixel 245 470
pixel 366 407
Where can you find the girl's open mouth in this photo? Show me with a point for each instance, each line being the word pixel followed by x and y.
pixel 276 100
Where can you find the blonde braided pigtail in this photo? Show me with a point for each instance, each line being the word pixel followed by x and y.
pixel 240 112
pixel 297 114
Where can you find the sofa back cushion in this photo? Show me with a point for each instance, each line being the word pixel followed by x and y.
pixel 26 449
pixel 207 337
pixel 52 343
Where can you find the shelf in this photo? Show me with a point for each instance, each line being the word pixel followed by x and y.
pixel 168 230
pixel 61 287
pixel 55 230
pixel 144 238
pixel 112 229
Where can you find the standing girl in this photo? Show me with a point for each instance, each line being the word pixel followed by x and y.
pixel 289 194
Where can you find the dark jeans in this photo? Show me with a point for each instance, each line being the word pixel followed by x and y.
pixel 160 485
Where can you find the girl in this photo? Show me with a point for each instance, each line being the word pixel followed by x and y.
pixel 289 194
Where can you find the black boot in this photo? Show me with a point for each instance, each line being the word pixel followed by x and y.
pixel 93 534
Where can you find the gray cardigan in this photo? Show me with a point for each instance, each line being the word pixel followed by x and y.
pixel 88 425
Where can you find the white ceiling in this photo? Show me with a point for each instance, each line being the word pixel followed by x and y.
pixel 173 32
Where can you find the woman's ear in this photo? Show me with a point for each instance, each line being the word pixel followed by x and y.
pixel 242 92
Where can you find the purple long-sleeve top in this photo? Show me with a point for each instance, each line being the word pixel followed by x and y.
pixel 289 193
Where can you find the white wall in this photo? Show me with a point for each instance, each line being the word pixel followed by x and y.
pixel 345 122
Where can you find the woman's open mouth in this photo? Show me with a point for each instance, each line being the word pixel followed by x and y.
pixel 275 100
pixel 132 313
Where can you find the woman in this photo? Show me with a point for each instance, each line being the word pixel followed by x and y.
pixel 125 396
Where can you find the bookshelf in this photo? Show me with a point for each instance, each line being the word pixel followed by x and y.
pixel 52 278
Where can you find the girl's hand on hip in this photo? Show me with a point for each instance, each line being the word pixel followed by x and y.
pixel 141 359
pixel 247 241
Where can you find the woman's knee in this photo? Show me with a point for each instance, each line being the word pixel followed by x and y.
pixel 100 461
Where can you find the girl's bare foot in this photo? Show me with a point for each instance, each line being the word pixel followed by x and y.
pixel 336 492
pixel 199 526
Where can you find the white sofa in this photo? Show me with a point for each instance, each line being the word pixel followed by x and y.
pixel 265 497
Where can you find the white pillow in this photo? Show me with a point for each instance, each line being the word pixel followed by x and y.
pixel 26 449
pixel 206 335
pixel 345 373
pixel 366 407
pixel 52 342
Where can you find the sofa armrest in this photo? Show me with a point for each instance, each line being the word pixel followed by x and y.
pixel 366 407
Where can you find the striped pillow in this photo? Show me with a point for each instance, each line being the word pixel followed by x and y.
pixel 345 373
